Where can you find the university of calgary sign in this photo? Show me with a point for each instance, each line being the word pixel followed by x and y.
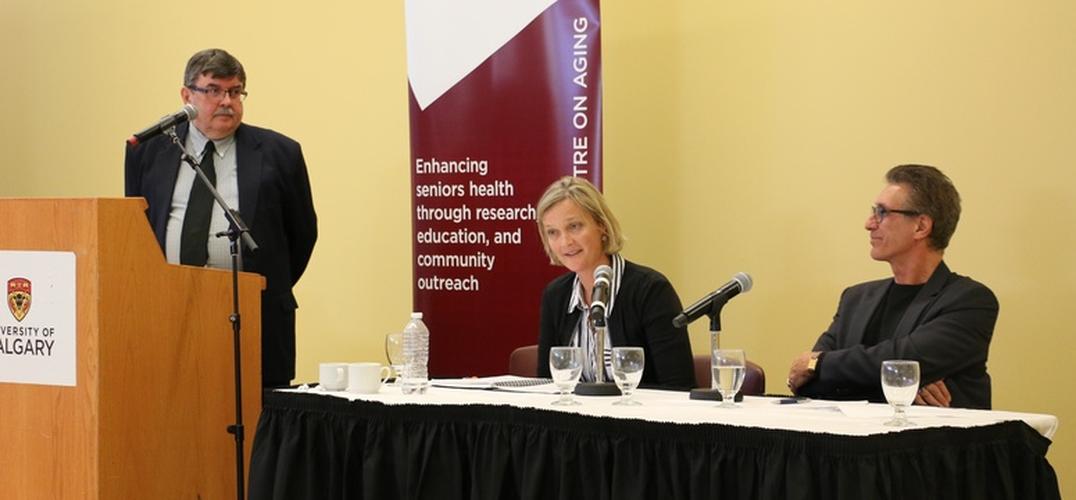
pixel 38 347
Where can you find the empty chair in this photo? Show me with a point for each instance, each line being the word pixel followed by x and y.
pixel 523 362
pixel 754 383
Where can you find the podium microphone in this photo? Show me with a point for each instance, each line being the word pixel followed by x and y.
pixel 188 112
pixel 741 283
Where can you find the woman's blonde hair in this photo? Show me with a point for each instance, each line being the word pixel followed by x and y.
pixel 587 197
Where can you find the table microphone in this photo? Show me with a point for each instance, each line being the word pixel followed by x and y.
pixel 740 283
pixel 599 312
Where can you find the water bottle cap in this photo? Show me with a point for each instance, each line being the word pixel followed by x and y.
pixel 416 315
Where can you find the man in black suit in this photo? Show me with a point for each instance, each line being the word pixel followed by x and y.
pixel 924 312
pixel 260 171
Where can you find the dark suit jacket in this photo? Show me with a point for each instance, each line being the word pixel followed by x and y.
pixel 274 201
pixel 947 329
pixel 642 317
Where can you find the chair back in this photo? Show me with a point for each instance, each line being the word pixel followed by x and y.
pixel 523 362
pixel 754 383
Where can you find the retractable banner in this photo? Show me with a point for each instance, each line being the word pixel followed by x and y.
pixel 505 98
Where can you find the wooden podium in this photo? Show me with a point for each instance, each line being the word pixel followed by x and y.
pixel 155 372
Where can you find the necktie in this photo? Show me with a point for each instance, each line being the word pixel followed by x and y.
pixel 192 245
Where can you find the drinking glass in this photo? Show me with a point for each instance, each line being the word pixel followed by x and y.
pixel 394 351
pixel 729 370
pixel 900 382
pixel 566 365
pixel 628 371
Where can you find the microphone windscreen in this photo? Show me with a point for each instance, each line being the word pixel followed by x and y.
pixel 190 111
pixel 744 280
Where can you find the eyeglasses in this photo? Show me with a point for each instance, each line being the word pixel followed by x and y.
pixel 879 212
pixel 235 93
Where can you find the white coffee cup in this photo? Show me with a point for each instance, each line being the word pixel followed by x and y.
pixel 332 376
pixel 366 378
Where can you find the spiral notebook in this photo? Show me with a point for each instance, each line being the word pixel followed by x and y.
pixel 508 383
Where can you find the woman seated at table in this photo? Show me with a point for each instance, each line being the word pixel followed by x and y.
pixel 580 233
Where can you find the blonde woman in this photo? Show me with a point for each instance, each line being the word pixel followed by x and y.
pixel 579 232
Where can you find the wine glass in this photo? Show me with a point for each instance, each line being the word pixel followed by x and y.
pixel 729 370
pixel 565 365
pixel 628 365
pixel 900 382
pixel 394 351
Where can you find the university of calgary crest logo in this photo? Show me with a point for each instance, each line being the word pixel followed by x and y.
pixel 18 297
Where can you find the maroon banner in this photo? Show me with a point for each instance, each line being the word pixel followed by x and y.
pixel 503 101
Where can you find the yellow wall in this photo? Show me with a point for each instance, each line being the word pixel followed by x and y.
pixel 738 136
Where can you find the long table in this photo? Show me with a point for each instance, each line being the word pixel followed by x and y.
pixel 471 444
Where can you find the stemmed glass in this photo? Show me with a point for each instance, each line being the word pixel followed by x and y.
pixel 566 365
pixel 394 351
pixel 729 370
pixel 628 365
pixel 900 382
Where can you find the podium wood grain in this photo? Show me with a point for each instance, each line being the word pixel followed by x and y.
pixel 154 390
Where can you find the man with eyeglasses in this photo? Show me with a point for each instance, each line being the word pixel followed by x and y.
pixel 925 312
pixel 258 171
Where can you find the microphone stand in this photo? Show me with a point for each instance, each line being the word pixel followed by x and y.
pixel 599 387
pixel 712 394
pixel 237 230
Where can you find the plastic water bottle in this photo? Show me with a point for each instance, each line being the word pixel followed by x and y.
pixel 415 378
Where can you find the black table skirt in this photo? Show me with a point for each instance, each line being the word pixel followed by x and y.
pixel 316 447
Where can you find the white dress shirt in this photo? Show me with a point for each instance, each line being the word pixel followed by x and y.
pixel 225 166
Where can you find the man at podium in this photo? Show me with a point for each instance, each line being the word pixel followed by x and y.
pixel 260 171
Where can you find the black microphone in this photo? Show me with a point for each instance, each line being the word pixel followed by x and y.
pixel 187 113
pixel 599 310
pixel 741 283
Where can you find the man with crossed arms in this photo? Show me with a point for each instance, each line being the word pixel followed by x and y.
pixel 925 312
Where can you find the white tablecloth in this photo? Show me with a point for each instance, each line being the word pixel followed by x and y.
pixel 830 417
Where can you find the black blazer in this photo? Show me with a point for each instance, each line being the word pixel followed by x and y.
pixel 642 317
pixel 274 201
pixel 947 328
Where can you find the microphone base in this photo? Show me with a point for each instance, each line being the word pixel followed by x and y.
pixel 713 395
pixel 597 389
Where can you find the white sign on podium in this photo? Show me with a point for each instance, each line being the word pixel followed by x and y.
pixel 37 322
